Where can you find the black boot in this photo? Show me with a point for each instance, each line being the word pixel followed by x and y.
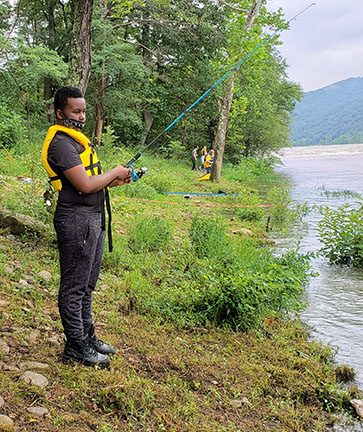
pixel 99 345
pixel 82 352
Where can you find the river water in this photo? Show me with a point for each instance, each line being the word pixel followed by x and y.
pixel 322 175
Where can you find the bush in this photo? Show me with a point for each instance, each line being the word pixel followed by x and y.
pixel 250 198
pixel 241 298
pixel 138 190
pixel 341 232
pixel 208 238
pixel 250 169
pixel 160 182
pixel 12 129
pixel 149 234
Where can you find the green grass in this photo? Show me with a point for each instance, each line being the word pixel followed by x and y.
pixel 197 309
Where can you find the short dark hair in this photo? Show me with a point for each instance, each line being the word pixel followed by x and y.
pixel 63 94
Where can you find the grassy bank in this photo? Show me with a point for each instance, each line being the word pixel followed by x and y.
pixel 193 299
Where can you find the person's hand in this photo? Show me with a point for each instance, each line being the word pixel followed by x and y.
pixel 123 176
pixel 123 173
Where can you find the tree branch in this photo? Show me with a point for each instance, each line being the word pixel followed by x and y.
pixel 150 20
pixel 236 8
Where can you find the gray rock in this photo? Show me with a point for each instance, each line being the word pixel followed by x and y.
pixel 54 341
pixel 45 275
pixel 38 411
pixel 358 406
pixel 20 224
pixel 9 269
pixel 238 403
pixel 34 379
pixel 4 347
pixel 5 421
pixel 33 365
pixel 34 336
pixel 12 367
pixel 22 284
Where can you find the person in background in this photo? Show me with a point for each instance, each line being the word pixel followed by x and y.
pixel 204 153
pixel 209 159
pixel 194 157
pixel 79 222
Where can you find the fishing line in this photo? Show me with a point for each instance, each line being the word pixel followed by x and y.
pixel 137 155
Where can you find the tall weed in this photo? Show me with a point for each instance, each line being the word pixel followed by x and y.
pixel 240 298
pixel 250 197
pixel 209 238
pixel 149 234
pixel 341 232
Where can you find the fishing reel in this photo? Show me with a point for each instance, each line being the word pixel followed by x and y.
pixel 137 176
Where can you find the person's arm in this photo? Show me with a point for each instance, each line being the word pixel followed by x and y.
pixel 87 185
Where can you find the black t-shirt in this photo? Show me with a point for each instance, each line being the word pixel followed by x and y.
pixel 63 154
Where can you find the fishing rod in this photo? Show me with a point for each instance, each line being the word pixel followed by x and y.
pixel 139 174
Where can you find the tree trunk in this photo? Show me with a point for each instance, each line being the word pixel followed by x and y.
pixel 99 109
pixel 101 85
pixel 80 49
pixel 221 134
pixel 48 85
pixel 146 58
pixel 148 121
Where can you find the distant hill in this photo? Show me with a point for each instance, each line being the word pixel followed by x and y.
pixel 331 115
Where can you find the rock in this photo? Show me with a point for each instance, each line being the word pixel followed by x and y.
pixel 104 287
pixel 358 406
pixel 3 303
pixel 20 224
pixel 4 347
pixel 238 403
pixel 5 421
pixel 33 365
pixel 12 367
pixel 2 402
pixel 38 411
pixel 34 379
pixel 54 341
pixel 247 232
pixel 34 336
pixel 45 275
pixel 9 269
pixel 22 284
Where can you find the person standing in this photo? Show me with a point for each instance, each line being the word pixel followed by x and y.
pixel 194 157
pixel 79 222
pixel 202 158
pixel 209 159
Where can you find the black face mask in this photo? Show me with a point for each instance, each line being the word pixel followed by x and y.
pixel 73 124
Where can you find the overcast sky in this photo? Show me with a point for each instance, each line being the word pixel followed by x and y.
pixel 325 44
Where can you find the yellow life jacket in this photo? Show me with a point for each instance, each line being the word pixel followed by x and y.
pixel 90 162
pixel 208 161
pixel 88 157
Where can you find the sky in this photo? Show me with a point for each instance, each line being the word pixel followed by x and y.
pixel 324 44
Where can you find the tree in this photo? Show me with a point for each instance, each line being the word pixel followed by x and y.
pixel 226 103
pixel 80 46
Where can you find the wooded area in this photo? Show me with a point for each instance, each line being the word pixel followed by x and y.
pixel 141 63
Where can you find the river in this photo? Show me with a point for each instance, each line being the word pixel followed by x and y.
pixel 326 176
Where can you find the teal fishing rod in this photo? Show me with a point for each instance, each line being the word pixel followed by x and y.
pixel 137 176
